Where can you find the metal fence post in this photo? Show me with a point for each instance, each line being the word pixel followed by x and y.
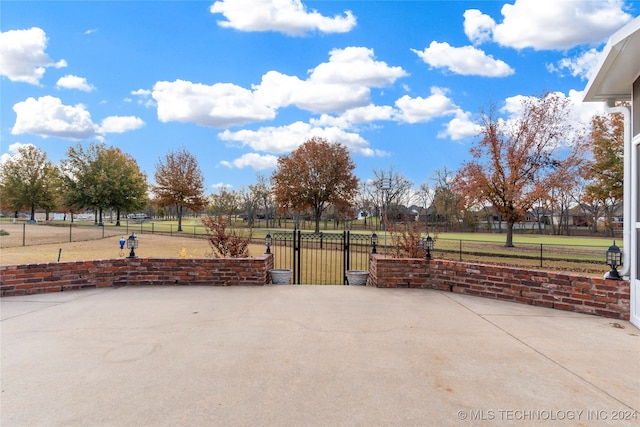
pixel 24 232
pixel 540 254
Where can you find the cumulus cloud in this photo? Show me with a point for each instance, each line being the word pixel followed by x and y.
pixel 460 127
pixel 218 105
pixel 330 87
pixel 23 57
pixel 256 161
pixel 47 116
pixel 283 139
pixel 356 116
pixel 74 82
pixel 583 65
pixel 120 124
pixel 12 151
pixel 289 17
pixel 466 60
pixel 418 109
pixel 548 24
pixel 477 26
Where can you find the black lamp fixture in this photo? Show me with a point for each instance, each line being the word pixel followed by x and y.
pixel 428 246
pixel 132 243
pixel 267 241
pixel 614 260
pixel 374 243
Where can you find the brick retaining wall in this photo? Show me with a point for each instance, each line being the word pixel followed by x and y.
pixel 54 277
pixel 609 298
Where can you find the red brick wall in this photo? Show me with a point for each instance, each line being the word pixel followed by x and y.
pixel 54 277
pixel 609 298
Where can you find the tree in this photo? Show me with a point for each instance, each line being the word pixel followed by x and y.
pixel 445 200
pixel 224 203
pixel 29 181
pixel 317 174
pixel 99 177
pixel 512 161
pixel 605 171
pixel 392 190
pixel 179 183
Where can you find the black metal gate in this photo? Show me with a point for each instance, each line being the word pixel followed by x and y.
pixel 320 258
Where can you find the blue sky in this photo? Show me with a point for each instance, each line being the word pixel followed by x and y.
pixel 240 82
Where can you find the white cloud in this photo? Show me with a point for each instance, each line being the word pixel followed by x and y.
pixel 477 26
pixel 120 124
pixel 332 86
pixel 583 65
pixel 460 127
pixel 12 151
pixel 23 57
pixel 355 116
pixel 74 82
pixel 466 60
pixel 221 185
pixel 355 66
pixel 280 90
pixel 48 116
pixel 284 139
pixel 418 109
pixel 289 17
pixel 219 105
pixel 253 160
pixel 548 24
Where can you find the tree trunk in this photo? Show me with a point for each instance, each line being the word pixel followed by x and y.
pixel 317 215
pixel 509 242
pixel 179 210
pixel 33 212
pixel 118 217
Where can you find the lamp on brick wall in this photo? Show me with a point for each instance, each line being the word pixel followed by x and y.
pixel 132 243
pixel 614 260
pixel 428 247
pixel 374 243
pixel 267 241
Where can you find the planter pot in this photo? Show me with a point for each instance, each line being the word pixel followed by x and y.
pixel 357 277
pixel 280 276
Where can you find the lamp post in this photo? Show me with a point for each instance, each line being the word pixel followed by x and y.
pixel 614 260
pixel 267 241
pixel 132 243
pixel 385 187
pixel 374 243
pixel 428 247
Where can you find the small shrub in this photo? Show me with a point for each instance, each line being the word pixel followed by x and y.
pixel 407 240
pixel 3 232
pixel 226 242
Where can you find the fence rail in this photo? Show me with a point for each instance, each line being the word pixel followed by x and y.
pixel 542 255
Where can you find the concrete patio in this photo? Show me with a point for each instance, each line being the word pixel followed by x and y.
pixel 307 356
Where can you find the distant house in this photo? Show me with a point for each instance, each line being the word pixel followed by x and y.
pixel 616 79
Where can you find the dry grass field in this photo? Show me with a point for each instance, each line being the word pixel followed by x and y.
pixel 88 244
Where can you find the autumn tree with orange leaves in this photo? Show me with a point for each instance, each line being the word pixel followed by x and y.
pixel 179 183
pixel 605 171
pixel 516 159
pixel 316 175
